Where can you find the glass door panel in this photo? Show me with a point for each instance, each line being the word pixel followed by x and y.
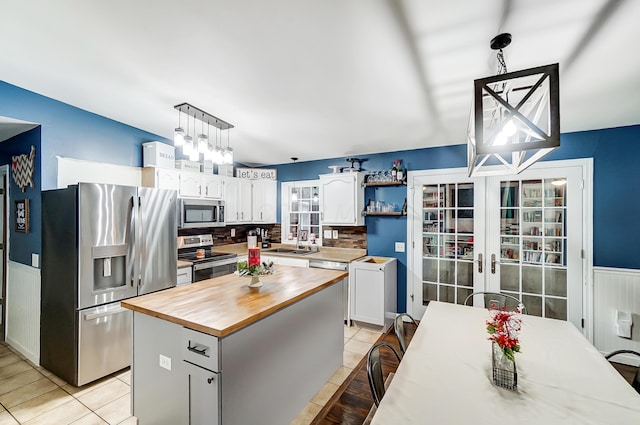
pixel 533 240
pixel 447 242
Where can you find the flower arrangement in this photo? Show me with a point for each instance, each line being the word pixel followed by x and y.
pixel 504 327
pixel 244 269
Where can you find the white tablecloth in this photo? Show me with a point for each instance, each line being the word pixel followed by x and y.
pixel 445 376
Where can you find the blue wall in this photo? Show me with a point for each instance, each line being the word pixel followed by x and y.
pixel 22 245
pixel 69 131
pixel 616 154
pixel 72 132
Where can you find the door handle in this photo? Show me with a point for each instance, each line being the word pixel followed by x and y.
pixel 479 263
pixel 493 263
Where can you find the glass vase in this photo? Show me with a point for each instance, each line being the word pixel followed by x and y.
pixel 505 374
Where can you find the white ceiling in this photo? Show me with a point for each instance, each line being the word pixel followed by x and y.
pixel 319 78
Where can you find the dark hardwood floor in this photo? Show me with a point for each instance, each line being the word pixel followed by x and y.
pixel 351 403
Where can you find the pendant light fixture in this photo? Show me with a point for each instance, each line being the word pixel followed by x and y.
pixel 194 155
pixel 178 133
pixel 294 192
pixel 188 140
pixel 203 146
pixel 228 152
pixel 203 143
pixel 515 119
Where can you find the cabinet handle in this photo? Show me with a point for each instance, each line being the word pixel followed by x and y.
pixel 198 349
pixel 479 263
pixel 206 190
pixel 210 380
pixel 493 263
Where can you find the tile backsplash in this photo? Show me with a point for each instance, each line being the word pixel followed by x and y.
pixel 348 237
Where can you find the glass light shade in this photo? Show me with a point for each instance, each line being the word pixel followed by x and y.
pixel 218 156
pixel 187 147
pixel 194 155
pixel 228 156
pixel 203 146
pixel 178 137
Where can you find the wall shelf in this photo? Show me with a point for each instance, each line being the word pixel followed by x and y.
pixel 379 184
pixel 386 214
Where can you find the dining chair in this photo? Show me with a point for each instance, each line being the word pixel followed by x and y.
pixel 374 371
pixel 398 326
pixel 636 380
pixel 498 300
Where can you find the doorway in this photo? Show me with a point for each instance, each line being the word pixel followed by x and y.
pixel 4 232
pixel 525 235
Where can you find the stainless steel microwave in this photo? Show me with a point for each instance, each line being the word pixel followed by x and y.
pixel 194 213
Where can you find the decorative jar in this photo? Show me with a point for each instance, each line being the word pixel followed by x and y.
pixel 505 374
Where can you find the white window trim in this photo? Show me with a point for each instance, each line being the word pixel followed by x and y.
pixel 285 188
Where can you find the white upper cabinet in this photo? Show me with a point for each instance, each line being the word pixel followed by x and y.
pixel 162 178
pixel 237 200
pixel 190 185
pixel 212 186
pixel 342 199
pixel 264 195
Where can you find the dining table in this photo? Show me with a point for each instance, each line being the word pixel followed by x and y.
pixel 445 376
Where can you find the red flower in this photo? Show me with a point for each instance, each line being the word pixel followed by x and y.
pixel 504 327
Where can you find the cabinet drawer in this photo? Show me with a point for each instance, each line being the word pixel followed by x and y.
pixel 200 349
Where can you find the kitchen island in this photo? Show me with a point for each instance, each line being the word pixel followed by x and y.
pixel 218 352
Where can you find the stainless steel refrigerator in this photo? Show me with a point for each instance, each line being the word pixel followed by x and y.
pixel 100 244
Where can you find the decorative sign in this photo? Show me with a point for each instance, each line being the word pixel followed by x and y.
pixel 22 166
pixel 22 215
pixel 257 173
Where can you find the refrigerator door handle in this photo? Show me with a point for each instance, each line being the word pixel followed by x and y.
pixel 140 248
pixel 131 263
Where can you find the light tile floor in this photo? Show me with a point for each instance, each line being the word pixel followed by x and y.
pixel 31 395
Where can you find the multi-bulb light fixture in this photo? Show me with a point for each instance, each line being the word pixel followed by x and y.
pixel 203 145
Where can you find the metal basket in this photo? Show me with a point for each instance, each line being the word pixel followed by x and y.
pixel 505 374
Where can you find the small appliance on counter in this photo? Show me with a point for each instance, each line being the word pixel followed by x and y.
pixel 207 263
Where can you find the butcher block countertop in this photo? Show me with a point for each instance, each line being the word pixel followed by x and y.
pixel 225 304
pixel 182 263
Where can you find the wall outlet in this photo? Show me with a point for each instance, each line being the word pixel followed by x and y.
pixel 233 233
pixel 327 234
pixel 399 246
pixel 335 234
pixel 165 362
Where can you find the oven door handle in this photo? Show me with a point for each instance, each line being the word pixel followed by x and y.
pixel 213 264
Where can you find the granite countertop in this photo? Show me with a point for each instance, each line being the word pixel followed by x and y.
pixel 343 255
pixel 225 304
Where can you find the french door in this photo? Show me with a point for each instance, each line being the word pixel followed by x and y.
pixel 517 234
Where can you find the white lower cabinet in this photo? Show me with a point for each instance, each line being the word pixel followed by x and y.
pixel 372 290
pixel 184 276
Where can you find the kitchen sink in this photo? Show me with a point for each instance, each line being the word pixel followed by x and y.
pixel 288 251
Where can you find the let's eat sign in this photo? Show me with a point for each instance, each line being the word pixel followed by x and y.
pixel 257 173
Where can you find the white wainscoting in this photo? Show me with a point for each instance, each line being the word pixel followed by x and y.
pixel 23 310
pixel 616 289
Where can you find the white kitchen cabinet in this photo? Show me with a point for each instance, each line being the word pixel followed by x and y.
pixel 249 201
pixel 184 276
pixel 264 194
pixel 342 199
pixel 162 178
pixel 212 186
pixel 190 184
pixel 372 290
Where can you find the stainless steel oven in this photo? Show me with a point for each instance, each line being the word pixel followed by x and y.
pixel 194 213
pixel 207 263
